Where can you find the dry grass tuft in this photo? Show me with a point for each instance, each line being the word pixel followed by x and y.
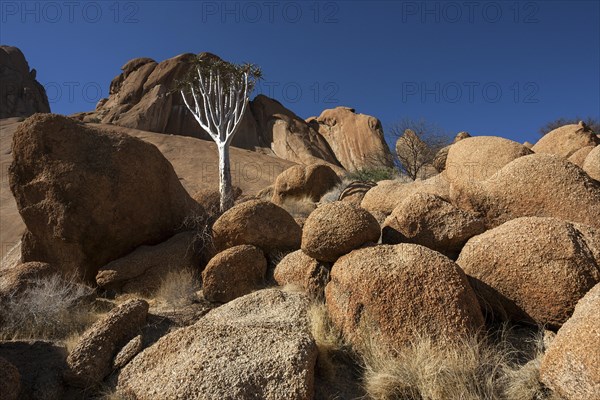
pixel 51 308
pixel 328 339
pixel 178 289
pixel 299 207
pixel 474 368
pixel 335 192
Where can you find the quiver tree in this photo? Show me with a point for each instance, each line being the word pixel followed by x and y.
pixel 216 93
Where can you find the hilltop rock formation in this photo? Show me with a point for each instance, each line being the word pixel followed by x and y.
pixel 21 95
pixel 143 97
pixel 356 139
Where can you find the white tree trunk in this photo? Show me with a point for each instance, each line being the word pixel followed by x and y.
pixel 225 187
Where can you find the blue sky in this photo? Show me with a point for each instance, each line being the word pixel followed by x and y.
pixel 488 67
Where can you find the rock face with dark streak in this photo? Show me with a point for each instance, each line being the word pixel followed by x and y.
pixel 21 95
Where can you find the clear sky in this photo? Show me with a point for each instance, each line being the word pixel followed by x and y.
pixel 488 67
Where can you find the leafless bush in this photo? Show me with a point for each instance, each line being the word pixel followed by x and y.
pixel 51 308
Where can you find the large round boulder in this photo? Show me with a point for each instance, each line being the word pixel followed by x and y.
pixel 532 269
pixel 233 273
pixel 310 182
pixel 337 228
pixel 566 140
pixel 259 223
pixel 89 196
pixel 387 195
pixel 428 220
pixel 304 271
pixel 570 365
pixel 591 165
pixel 477 158
pixel 541 185
pixel 393 292
pixel 254 347
pixel 439 161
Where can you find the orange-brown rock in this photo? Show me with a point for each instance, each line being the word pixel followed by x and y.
pixel 299 269
pixel 337 228
pixel 357 140
pixel 430 221
pixel 309 182
pixel 390 293
pixel 256 346
pixel 570 365
pixel 21 95
pixel 591 165
pixel 89 196
pixel 92 358
pixel 288 136
pixel 541 185
pixel 532 269
pixel 387 195
pixel 566 140
pixel 259 223
pixel 233 273
pixel 578 158
pixel 477 158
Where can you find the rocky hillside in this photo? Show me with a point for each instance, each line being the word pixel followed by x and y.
pixel 121 278
pixel 310 286
pixel 142 97
pixel 21 95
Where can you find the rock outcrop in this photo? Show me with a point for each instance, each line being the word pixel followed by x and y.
pixel 566 140
pixel 357 140
pixel 301 270
pixel 304 182
pixel 337 228
pixel 256 346
pixel 89 196
pixel 532 269
pixel 234 273
pixel 477 158
pixel 143 97
pixel 540 185
pixel 390 293
pixel 259 223
pixel 570 365
pixel 92 358
pixel 430 221
pixel 21 95
pixel 288 136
